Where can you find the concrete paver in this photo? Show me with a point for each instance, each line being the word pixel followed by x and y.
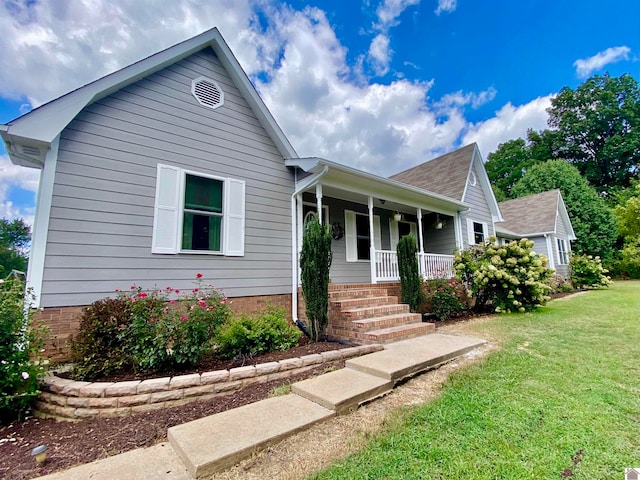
pixel 405 358
pixel 214 443
pixel 342 390
pixel 158 462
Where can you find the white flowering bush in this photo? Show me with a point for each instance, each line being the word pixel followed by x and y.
pixel 505 278
pixel 20 341
pixel 587 272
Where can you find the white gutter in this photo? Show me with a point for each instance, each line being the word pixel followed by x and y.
pixel 294 240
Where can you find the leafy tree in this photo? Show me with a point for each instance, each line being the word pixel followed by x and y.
pixel 592 220
pixel 507 165
pixel 598 129
pixel 15 236
pixel 315 262
pixel 628 215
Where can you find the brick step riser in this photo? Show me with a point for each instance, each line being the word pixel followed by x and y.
pixel 398 335
pixel 375 324
pixel 373 312
pixel 364 293
pixel 349 303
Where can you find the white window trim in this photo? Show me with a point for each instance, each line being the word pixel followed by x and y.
pixel 171 209
pixel 565 244
pixel 351 239
pixel 471 232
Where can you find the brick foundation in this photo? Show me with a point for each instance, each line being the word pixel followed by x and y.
pixel 63 322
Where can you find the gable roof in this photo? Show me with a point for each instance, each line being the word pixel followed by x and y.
pixel 535 214
pixel 449 175
pixel 27 138
pixel 445 175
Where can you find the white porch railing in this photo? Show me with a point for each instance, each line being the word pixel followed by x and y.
pixel 431 265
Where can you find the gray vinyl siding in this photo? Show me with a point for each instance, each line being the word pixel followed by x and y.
pixel 439 241
pixel 540 245
pixel 479 211
pixel 101 220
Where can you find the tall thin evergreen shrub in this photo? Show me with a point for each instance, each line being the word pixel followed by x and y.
pixel 410 281
pixel 315 261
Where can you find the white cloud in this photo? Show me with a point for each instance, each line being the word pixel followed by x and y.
pixel 389 11
pixel 509 122
pixel 476 100
pixel 446 6
pixel 12 176
pixel 586 66
pixel 380 54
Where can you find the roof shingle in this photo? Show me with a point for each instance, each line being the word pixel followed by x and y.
pixel 531 214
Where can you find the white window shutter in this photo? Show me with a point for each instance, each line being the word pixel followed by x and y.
pixel 394 234
pixel 350 236
pixel 166 214
pixel 485 231
pixel 234 205
pixel 470 237
pixel 377 233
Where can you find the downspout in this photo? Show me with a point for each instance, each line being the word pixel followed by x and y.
pixel 294 246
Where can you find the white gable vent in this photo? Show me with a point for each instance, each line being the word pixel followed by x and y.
pixel 207 92
pixel 31 151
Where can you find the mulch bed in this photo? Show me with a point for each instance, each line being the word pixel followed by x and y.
pixel 73 443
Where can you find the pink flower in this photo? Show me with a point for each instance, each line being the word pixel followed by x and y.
pixel 133 287
pixel 168 289
pixel 117 290
pixel 195 290
pixel 153 320
pixel 177 291
pixel 184 318
pixel 223 301
pixel 198 275
pixel 172 301
pixel 122 325
pixel 142 295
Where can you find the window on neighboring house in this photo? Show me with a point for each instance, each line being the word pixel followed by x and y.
pixel 477 232
pixel 357 238
pixel 310 211
pixel 197 213
pixel 563 252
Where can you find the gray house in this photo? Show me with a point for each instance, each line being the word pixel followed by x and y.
pixel 174 166
pixel 542 218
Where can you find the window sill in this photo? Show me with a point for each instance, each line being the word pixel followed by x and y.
pixel 200 252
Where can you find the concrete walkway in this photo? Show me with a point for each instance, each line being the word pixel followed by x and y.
pixel 202 447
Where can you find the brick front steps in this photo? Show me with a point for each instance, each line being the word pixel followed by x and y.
pixel 367 314
pixel 71 399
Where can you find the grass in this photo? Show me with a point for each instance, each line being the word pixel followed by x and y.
pixel 560 399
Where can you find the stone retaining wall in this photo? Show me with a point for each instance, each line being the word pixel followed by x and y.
pixel 72 399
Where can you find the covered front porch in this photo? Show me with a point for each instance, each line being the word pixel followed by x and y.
pixel 368 215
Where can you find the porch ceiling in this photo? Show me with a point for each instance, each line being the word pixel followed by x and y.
pixel 346 183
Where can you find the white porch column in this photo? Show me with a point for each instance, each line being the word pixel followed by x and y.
pixel 319 202
pixel 300 224
pixel 420 234
pixel 372 246
pixel 458 230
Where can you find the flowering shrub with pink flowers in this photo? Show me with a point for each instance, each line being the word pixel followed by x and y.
pixel 148 330
pixel 444 297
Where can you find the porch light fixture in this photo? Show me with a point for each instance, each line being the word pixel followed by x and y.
pixel 439 223
pixel 40 454
pixel 397 216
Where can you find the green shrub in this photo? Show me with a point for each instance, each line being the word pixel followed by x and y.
pixel 505 278
pixel 315 262
pixel 248 336
pixel 97 349
pixel 443 297
pixel 587 272
pixel 410 281
pixel 559 284
pixel 628 262
pixel 20 341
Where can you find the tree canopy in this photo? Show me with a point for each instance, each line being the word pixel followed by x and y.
pixel 592 220
pixel 15 236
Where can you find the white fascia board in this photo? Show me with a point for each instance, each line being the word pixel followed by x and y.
pixel 377 186
pixel 483 178
pixel 565 216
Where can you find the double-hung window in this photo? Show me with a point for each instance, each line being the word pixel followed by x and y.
pixel 477 232
pixel 357 235
pixel 197 213
pixel 563 252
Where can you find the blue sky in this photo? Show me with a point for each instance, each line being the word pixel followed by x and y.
pixel 378 85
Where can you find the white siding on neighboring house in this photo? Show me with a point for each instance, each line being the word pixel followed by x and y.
pixel 479 212
pixel 102 213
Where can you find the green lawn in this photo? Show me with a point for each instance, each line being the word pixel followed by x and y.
pixel 560 399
